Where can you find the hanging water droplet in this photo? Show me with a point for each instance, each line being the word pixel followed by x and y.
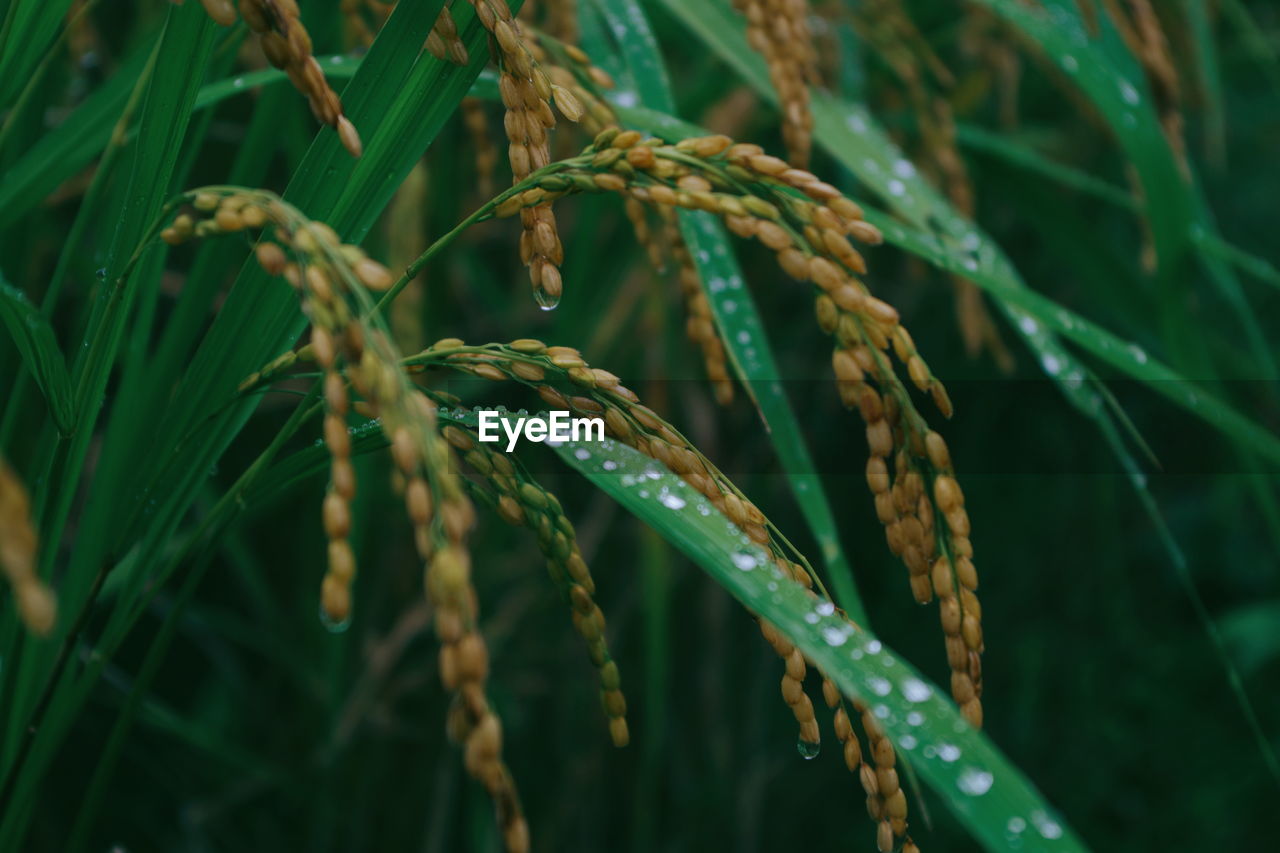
pixel 545 300
pixel 808 750
pixel 331 626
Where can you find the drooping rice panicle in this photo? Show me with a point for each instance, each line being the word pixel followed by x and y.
pixel 808 225
pixel 779 31
pixel 527 95
pixel 518 499
pixel 350 344
pixel 287 45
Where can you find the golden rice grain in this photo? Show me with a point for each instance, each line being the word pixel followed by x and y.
pixel 779 31
pixel 443 42
pixel 287 45
pixel 348 340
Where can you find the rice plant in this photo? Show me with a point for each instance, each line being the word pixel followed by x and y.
pixel 759 325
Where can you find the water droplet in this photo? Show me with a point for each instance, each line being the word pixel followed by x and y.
pixel 545 300
pixel 331 626
pixel 908 742
pixel 1129 93
pixel 582 454
pixel 671 501
pixel 825 608
pixel 1016 825
pixel 916 690
pixel 1138 353
pixel 808 750
pixel 1045 825
pixel 915 718
pixel 1051 364
pixel 1070 64
pixel 975 782
pixel 880 686
pixel 745 560
pixel 874 647
pixel 834 636
pixel 609 465
pixel 897 187
pixel 948 752
pixel 811 618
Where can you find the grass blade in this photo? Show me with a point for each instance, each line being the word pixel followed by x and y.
pixel 34 338
pixel 29 29
pixel 736 316
pixel 984 791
